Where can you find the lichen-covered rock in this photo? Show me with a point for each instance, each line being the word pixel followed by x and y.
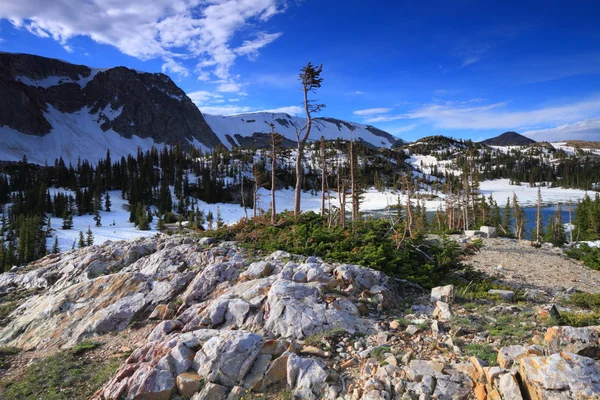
pixel 583 341
pixel 560 376
pixel 443 293
pixel 306 376
pixel 294 310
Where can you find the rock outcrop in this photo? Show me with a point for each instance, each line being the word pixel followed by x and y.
pixel 230 323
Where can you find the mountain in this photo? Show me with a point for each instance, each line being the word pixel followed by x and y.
pixel 508 139
pixel 50 108
pixel 250 130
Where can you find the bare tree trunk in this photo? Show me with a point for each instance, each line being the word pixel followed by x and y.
pixel 570 221
pixel 342 198
pixel 409 214
pixel 323 176
pixel 243 196
pixel 354 194
pixel 538 220
pixel 299 173
pixel 255 200
pixel 273 162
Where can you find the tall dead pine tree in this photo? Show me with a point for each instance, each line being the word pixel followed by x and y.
pixel 353 178
pixel 276 140
pixel 310 78
pixel 323 175
pixel 538 219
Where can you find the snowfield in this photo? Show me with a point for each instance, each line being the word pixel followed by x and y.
pixel 248 124
pixel 72 136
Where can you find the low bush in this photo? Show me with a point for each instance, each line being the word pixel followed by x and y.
pixel 585 300
pixel 590 256
pixel 371 243
pixel 482 351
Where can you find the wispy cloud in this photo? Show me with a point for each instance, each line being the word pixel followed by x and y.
pixel 371 111
pixel 224 110
pixel 588 129
pixel 172 66
pixel 356 93
pixel 496 115
pixel 292 110
pixel 402 129
pixel 171 30
pixel 213 103
pixel 471 54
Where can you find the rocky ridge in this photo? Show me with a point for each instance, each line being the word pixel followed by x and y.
pixel 231 323
pixel 123 100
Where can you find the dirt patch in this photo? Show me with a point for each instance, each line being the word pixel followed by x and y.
pixel 520 265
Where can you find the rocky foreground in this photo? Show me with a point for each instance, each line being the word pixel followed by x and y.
pixel 230 324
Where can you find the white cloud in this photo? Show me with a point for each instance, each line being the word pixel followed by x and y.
pixel 402 129
pixel 292 110
pixel 495 116
pixel 202 30
pixel 356 93
pixel 229 87
pixel 251 47
pixel 202 96
pixel 224 110
pixel 173 66
pixel 588 129
pixel 371 111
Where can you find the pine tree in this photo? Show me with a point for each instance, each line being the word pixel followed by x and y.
pixel 81 242
pixel 220 222
pixel 55 248
pixel 506 218
pixel 67 220
pixel 210 219
pixel 89 238
pixel 310 77
pixel 160 224
pixel 555 231
pixel 538 221
pixel 107 202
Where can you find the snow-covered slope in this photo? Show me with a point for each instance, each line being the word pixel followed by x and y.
pixel 236 130
pixel 73 135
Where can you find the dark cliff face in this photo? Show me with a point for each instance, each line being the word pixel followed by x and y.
pixel 142 104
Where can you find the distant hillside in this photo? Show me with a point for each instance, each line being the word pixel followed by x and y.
pixel 508 139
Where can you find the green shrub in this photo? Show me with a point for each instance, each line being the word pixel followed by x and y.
pixel 84 346
pixel 477 289
pixel 482 351
pixel 379 352
pixel 585 300
pixel 589 255
pixel 579 319
pixel 370 243
pixel 5 309
pixel 5 352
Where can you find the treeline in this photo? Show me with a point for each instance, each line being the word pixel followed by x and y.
pixel 159 185
pixel 536 163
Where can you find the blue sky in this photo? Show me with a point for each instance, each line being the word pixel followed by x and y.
pixel 462 68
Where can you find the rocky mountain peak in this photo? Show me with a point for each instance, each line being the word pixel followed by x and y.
pixel 123 100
